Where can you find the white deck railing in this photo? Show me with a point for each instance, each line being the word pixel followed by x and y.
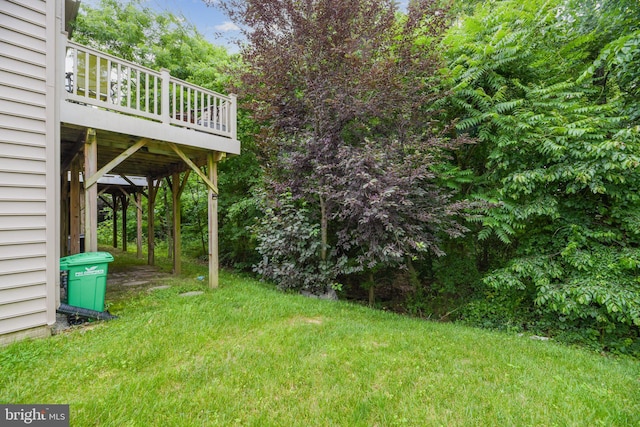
pixel 98 79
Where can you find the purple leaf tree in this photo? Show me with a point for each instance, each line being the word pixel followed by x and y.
pixel 344 91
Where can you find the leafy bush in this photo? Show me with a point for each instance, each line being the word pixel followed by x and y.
pixel 560 156
pixel 290 245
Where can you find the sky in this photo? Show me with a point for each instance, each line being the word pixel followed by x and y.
pixel 209 21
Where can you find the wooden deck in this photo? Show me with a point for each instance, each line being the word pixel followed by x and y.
pixel 120 118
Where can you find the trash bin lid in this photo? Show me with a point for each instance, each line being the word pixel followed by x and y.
pixel 85 258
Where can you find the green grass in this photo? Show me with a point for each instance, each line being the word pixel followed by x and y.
pixel 245 354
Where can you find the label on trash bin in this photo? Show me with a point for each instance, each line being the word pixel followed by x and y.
pixel 89 271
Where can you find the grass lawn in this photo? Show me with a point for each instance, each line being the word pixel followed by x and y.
pixel 247 355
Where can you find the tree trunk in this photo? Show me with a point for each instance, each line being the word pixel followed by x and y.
pixel 324 222
pixel 372 290
pixel 413 275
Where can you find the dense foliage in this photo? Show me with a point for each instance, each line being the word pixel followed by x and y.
pixel 477 163
pixel 553 106
pixel 344 89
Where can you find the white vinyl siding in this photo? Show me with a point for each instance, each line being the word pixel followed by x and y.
pixel 22 138
pixel 14 323
pixel 21 280
pixel 10 120
pixel 23 165
pixel 22 108
pixel 20 81
pixel 17 265
pixel 26 68
pixel 22 209
pixel 22 96
pixel 21 54
pixel 19 38
pixel 27 10
pixel 24 293
pixel 7 178
pixel 26 249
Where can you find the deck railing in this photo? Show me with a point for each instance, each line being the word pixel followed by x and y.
pixel 98 79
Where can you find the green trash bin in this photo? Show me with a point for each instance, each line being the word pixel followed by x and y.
pixel 86 279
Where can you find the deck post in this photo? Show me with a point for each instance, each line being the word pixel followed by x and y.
pixel 64 213
pixel 153 191
pixel 139 224
pixel 125 205
pixel 114 208
pixel 212 167
pixel 90 192
pixel 177 246
pixel 74 207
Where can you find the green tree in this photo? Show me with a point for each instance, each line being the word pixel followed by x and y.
pixel 135 32
pixel 557 157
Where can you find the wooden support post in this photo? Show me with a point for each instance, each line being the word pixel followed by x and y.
pixel 139 224
pixel 168 222
pixel 114 208
pixel 74 208
pixel 177 247
pixel 64 213
pixel 177 187
pixel 212 168
pixel 153 191
pixel 125 205
pixel 90 192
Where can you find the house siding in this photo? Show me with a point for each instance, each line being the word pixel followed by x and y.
pixel 27 281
